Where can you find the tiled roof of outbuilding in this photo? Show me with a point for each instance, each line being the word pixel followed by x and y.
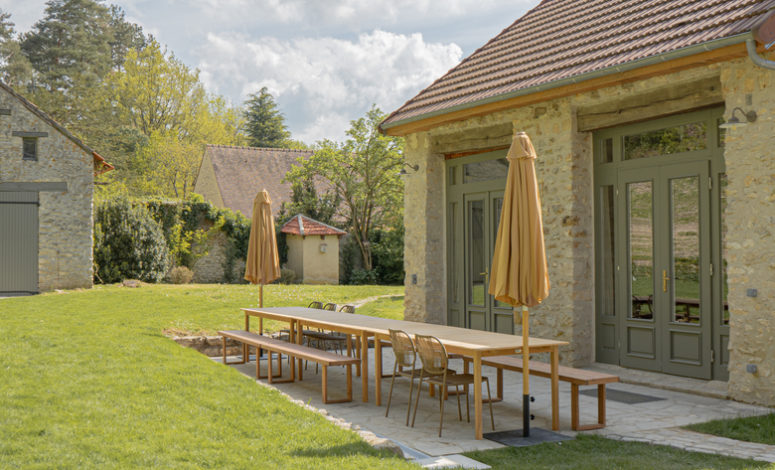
pixel 303 225
pixel 241 172
pixel 560 39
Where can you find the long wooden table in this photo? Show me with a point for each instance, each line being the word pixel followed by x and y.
pixel 472 343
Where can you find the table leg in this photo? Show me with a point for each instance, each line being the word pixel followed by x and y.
pixel 296 334
pixel 555 389
pixel 377 370
pixel 245 350
pixel 365 366
pixel 478 394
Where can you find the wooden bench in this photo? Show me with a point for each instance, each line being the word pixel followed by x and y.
pixel 324 358
pixel 576 377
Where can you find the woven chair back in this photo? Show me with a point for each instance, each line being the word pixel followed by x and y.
pixel 315 304
pixel 403 348
pixel 330 306
pixel 432 354
pixel 347 309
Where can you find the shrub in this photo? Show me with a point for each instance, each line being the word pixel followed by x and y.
pixel 363 276
pixel 387 254
pixel 287 276
pixel 128 243
pixel 181 275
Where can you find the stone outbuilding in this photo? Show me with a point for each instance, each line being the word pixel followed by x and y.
pixel 46 186
pixel 231 176
pixel 313 250
pixel 654 124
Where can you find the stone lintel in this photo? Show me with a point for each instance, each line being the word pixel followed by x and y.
pixel 5 111
pixel 29 134
pixel 55 186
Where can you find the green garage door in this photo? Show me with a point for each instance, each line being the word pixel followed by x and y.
pixel 18 243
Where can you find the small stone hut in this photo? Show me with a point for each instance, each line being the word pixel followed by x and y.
pixel 313 250
pixel 654 124
pixel 46 186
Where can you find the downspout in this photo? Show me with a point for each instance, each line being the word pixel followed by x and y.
pixel 750 44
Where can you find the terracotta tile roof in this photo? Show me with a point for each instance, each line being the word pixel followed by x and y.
pixel 241 172
pixel 560 39
pixel 104 166
pixel 303 225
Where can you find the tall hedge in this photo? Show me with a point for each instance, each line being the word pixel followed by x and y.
pixel 128 243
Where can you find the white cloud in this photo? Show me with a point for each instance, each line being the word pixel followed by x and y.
pixel 325 82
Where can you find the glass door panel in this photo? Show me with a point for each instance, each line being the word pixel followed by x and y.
pixel 684 279
pixel 477 262
pixel 640 214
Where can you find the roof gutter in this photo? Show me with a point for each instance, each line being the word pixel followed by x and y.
pixel 644 62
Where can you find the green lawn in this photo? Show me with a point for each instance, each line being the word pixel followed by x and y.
pixel 592 452
pixel 759 429
pixel 89 380
pixel 385 307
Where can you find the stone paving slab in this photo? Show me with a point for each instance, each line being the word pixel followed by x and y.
pixel 656 422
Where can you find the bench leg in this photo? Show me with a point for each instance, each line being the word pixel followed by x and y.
pixel 270 375
pixel 223 343
pixel 349 386
pixel 575 409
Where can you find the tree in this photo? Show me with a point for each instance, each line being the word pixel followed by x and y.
pixel 71 44
pixel 126 36
pixel 265 125
pixel 15 69
pixel 161 99
pixel 363 173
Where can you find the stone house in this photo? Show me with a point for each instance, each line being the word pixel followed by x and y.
pixel 231 176
pixel 46 185
pixel 658 222
pixel 313 250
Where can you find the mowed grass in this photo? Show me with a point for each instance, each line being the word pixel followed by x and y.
pixel 759 429
pixel 593 452
pixel 385 307
pixel 87 379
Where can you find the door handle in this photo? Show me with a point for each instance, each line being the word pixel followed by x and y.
pixel 665 278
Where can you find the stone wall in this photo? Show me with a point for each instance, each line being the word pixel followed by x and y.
pixel 64 217
pixel 211 268
pixel 750 219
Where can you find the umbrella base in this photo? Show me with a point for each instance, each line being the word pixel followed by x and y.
pixel 514 438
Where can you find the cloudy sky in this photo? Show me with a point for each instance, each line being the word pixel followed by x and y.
pixel 325 61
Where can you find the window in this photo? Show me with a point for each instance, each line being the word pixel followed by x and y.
pixel 30 148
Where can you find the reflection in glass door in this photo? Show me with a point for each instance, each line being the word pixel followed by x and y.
pixel 481 217
pixel 667 253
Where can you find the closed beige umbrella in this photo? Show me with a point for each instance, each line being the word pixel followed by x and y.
pixel 519 275
pixel 263 264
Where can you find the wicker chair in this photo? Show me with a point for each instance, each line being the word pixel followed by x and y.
pixel 315 304
pixel 434 359
pixel 329 306
pixel 406 357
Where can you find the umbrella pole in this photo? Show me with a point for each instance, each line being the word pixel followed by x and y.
pixel 525 373
pixel 261 296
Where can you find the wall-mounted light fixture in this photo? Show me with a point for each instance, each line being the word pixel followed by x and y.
pixel 403 171
pixel 733 121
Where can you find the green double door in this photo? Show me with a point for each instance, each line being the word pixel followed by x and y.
pixel 474 196
pixel 660 291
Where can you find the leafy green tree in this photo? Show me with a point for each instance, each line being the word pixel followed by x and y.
pixel 265 124
pixel 162 100
pixel 15 69
pixel 363 173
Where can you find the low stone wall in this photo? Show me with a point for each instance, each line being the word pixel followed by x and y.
pixel 209 345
